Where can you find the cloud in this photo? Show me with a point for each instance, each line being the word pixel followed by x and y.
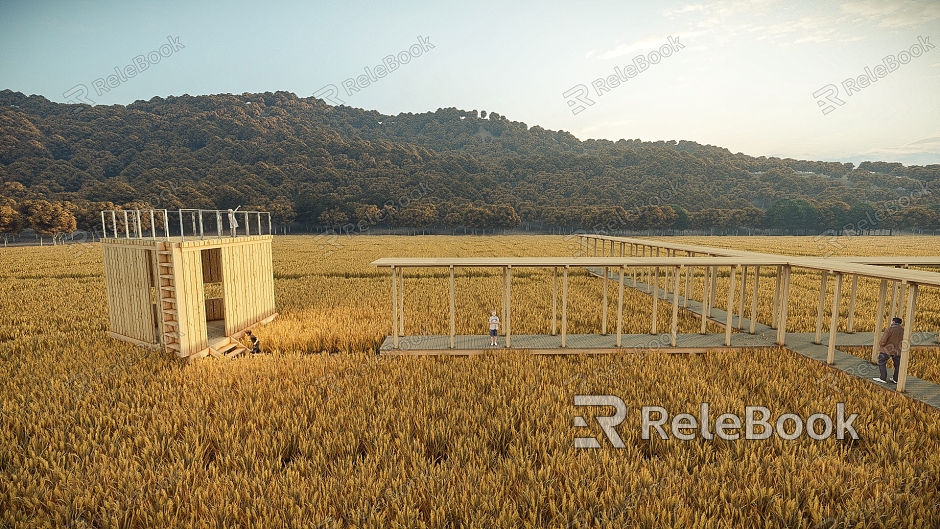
pixel 893 14
pixel 920 152
pixel 779 22
pixel 649 43
pixel 766 19
pixel 685 9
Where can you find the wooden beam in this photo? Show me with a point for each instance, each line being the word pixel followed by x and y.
pixel 401 301
pixel 604 308
pixel 508 306
pixel 879 320
pixel 564 305
pixel 453 307
pixel 903 294
pixel 620 309
pixel 685 298
pixel 742 295
pixel 675 307
pixel 850 323
pixel 906 342
pixel 503 303
pixel 754 293
pixel 655 298
pixel 894 299
pixel 834 322
pixel 713 292
pixel 784 306
pixel 730 314
pixel 395 306
pixel 775 306
pixel 554 301
pixel 821 307
pixel 704 298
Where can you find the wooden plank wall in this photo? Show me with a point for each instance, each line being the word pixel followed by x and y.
pixel 190 300
pixel 128 279
pixel 248 282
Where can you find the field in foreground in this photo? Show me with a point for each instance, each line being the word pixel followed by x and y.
pixel 98 434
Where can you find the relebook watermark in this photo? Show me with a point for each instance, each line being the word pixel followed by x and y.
pixel 577 97
pixel 78 94
pixel 390 63
pixel 827 97
pixel 756 423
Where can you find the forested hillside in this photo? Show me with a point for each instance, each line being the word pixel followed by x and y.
pixel 316 164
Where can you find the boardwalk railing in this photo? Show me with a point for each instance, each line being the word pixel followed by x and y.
pixel 904 283
pixel 183 223
pixel 616 257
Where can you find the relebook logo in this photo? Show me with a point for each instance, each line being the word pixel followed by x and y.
pixel 827 97
pixel 757 423
pixel 390 63
pixel 578 96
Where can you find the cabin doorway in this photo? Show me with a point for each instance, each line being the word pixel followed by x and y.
pixel 214 294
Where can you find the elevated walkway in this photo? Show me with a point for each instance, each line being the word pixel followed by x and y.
pixel 764 336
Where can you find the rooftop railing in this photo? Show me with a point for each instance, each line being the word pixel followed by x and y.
pixel 193 223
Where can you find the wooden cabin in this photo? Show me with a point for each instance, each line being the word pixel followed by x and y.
pixel 192 294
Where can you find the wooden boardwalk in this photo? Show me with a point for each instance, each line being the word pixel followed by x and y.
pixel 764 336
pixel 576 344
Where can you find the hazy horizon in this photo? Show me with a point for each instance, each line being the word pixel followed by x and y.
pixel 749 76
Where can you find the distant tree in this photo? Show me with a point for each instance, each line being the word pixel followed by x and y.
pixel 791 214
pixel 11 222
pixel 48 218
pixel 832 215
pixel 682 219
pixel 863 217
pixel 333 218
pixel 282 211
pixel 419 216
pixel 454 219
pixel 505 217
pixel 367 215
pixel 919 217
pixel 707 218
pixel 88 215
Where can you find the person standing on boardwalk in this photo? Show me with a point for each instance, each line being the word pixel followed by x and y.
pixel 494 327
pixel 890 347
pixel 232 222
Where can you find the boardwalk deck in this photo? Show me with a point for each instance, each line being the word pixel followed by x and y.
pixel 764 336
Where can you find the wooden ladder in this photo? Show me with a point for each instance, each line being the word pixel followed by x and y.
pixel 167 295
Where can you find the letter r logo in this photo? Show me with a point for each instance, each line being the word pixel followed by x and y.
pixel 329 94
pixel 579 93
pixel 830 94
pixel 607 422
pixel 77 94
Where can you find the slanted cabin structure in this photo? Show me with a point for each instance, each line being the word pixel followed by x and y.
pixel 188 281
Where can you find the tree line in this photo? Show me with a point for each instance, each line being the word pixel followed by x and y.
pixel 319 166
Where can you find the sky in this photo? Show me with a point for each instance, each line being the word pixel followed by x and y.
pixel 762 77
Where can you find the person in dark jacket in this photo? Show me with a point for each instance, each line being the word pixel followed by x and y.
pixel 890 347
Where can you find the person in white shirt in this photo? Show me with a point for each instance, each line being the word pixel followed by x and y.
pixel 494 326
pixel 232 222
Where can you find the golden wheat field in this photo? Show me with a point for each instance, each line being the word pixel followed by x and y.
pixel 322 432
